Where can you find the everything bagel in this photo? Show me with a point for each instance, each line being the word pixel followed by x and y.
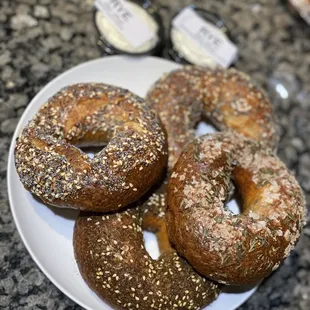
pixel 226 98
pixel 225 247
pixel 51 166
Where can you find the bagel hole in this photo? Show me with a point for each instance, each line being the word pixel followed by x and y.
pixel 204 128
pixel 151 244
pixel 233 206
pixel 233 203
pixel 91 151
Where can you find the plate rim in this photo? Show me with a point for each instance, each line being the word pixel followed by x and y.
pixel 11 164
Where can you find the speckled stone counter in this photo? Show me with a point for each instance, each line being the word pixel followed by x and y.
pixel 39 39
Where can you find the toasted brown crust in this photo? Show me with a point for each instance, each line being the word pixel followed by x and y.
pixel 227 98
pixel 53 168
pixel 113 261
pixel 229 248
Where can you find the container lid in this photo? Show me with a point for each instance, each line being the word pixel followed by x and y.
pixel 200 37
pixel 301 7
pixel 130 27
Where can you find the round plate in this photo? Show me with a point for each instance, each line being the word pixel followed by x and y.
pixel 47 231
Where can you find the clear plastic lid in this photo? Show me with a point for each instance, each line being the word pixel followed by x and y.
pixel 112 41
pixel 184 49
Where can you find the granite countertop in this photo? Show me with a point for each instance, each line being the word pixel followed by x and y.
pixel 39 39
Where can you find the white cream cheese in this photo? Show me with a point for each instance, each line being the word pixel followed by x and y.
pixel 190 50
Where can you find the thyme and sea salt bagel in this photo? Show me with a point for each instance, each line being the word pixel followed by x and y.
pixel 51 166
pixel 113 261
pixel 226 98
pixel 225 247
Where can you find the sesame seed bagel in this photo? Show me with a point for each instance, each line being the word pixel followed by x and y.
pixel 113 261
pixel 226 98
pixel 51 166
pixel 225 247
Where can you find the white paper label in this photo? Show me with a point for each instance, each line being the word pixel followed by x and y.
pixel 126 21
pixel 210 38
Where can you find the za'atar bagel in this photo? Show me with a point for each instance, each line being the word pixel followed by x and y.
pixel 225 247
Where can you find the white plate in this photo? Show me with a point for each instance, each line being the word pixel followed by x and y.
pixel 47 231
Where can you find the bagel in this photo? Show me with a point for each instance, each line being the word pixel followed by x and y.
pixel 225 247
pixel 51 166
pixel 226 98
pixel 113 261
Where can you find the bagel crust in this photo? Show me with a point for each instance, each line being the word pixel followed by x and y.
pixel 51 166
pixel 113 261
pixel 225 247
pixel 226 98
